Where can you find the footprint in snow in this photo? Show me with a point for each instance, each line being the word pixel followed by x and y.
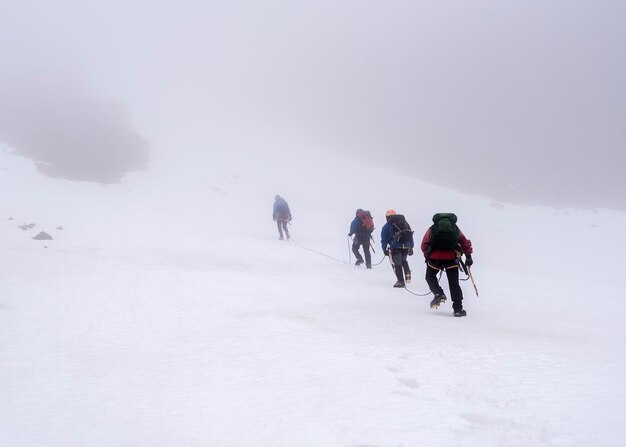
pixel 411 383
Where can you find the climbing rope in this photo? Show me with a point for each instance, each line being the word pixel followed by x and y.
pixel 416 294
pixel 405 287
pixel 316 252
pixel 381 261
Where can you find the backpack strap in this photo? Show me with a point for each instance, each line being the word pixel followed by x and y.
pixel 430 240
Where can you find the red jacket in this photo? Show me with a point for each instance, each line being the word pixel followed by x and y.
pixel 445 255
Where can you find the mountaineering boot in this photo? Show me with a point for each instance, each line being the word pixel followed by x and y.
pixel 437 301
pixel 358 262
pixel 460 313
pixel 280 238
pixel 368 266
pixel 407 277
pixel 399 284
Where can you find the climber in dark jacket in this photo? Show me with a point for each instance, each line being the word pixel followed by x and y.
pixel 396 238
pixel 282 216
pixel 362 236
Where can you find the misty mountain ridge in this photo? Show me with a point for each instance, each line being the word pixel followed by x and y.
pixel 69 131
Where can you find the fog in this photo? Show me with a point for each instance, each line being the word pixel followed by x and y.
pixel 519 101
pixel 69 133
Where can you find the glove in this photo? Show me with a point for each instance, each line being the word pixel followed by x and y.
pixel 468 260
pixel 349 234
pixel 410 252
pixel 386 252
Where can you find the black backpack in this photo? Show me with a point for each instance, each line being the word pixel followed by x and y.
pixel 402 230
pixel 444 234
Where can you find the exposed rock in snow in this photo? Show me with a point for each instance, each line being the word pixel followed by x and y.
pixel 43 236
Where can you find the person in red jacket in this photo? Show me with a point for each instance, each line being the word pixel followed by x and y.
pixel 442 246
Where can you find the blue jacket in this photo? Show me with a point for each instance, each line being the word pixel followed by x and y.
pixel 355 226
pixel 386 235
pixel 281 210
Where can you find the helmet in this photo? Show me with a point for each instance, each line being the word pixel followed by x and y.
pixel 390 213
pixel 358 211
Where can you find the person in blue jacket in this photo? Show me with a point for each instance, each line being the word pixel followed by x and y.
pixel 361 227
pixel 396 238
pixel 282 216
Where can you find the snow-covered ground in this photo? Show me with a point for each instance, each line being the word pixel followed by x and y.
pixel 167 313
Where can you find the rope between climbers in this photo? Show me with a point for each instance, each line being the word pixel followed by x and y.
pixel 316 252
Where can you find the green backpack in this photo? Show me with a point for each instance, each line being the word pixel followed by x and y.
pixel 444 234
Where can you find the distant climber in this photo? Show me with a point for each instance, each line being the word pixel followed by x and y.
pixel 282 216
pixel 361 227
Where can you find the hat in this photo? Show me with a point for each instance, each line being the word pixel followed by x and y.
pixel 390 213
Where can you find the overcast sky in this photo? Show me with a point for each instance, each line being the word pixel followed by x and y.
pixel 518 100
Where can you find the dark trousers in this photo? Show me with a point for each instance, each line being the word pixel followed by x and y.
pixel 282 225
pixel 452 272
pixel 400 264
pixel 365 242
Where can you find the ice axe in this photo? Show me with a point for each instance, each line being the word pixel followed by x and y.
pixel 469 272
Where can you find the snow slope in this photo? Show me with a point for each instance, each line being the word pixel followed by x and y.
pixel 166 312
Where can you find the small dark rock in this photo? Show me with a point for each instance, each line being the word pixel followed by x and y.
pixel 26 226
pixel 43 236
pixel 60 228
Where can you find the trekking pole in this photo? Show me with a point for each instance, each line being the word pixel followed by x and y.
pixel 349 251
pixel 469 270
pixel 393 266
pixel 371 245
